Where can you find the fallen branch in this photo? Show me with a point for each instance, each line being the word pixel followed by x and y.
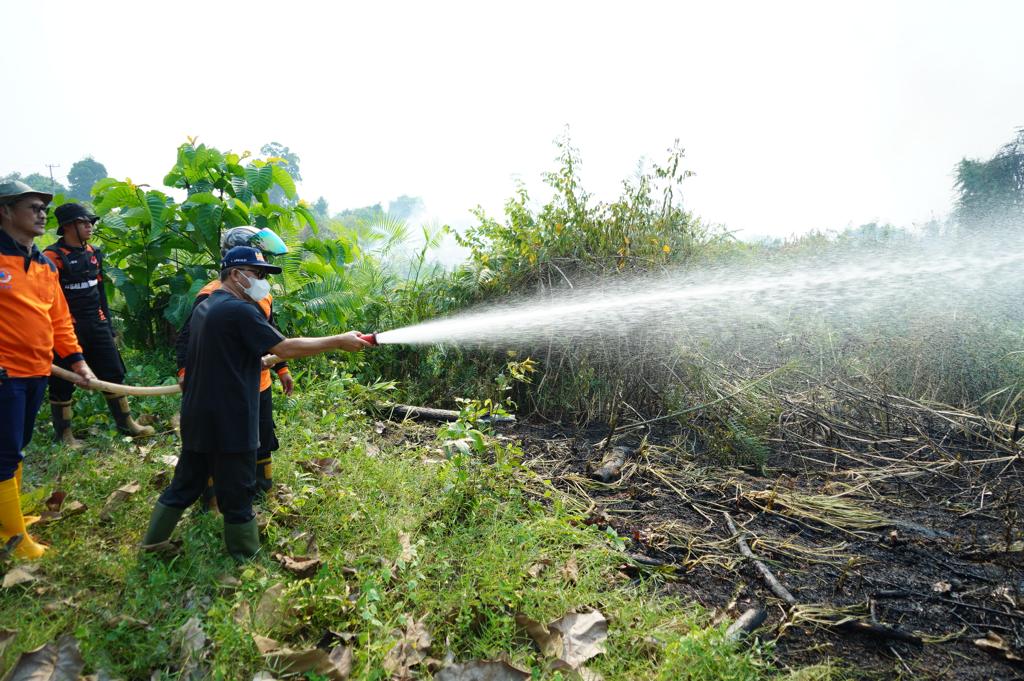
pixel 746 623
pixel 880 631
pixel 412 412
pixel 773 583
pixel 611 465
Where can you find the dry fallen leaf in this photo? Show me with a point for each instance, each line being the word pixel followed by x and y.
pixel 994 644
pixel 68 509
pixel 116 498
pixel 264 676
pixel 300 566
pixel 23 574
pixel 6 636
pixel 942 587
pixel 265 645
pixel 127 620
pixel 482 670
pixel 272 608
pixel 54 501
pixel 190 640
pixel 1004 592
pixel 571 571
pixel 336 665
pixel 324 466
pixel 410 650
pixel 535 570
pixel 408 551
pixel 58 660
pixel 573 638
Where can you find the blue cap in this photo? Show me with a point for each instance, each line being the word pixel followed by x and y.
pixel 246 256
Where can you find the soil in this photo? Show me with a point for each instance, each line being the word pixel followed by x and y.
pixel 933 548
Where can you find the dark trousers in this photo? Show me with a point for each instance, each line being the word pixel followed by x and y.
pixel 101 354
pixel 19 403
pixel 234 481
pixel 268 438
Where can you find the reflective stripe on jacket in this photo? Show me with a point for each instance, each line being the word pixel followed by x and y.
pixel 81 277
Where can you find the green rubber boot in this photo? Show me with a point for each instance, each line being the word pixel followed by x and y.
pixel 242 540
pixel 161 524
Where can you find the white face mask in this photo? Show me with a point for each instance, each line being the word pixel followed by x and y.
pixel 257 290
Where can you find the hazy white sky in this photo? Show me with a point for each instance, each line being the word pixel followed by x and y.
pixel 795 115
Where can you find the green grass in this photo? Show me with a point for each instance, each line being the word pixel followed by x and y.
pixel 475 528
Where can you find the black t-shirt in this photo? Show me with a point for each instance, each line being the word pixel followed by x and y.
pixel 220 405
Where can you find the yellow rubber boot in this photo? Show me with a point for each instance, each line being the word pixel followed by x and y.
pixel 29 519
pixel 12 522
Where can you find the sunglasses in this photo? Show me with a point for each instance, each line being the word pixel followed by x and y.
pixel 259 274
pixel 38 208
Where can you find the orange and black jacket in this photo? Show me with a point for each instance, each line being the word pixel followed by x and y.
pixel 34 317
pixel 81 277
pixel 181 343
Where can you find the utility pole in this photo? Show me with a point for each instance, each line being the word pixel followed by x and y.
pixel 51 166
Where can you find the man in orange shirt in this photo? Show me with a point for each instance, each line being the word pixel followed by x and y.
pixel 34 324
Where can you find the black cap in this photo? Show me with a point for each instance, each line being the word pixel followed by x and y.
pixel 246 256
pixel 67 213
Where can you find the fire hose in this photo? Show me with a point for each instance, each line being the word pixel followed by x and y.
pixel 149 391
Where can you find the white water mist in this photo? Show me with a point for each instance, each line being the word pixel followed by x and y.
pixel 881 288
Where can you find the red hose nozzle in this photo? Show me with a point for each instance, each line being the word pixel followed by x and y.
pixel 370 338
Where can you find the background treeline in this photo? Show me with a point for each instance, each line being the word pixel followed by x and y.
pixel 371 269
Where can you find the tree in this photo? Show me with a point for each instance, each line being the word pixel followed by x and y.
pixel 160 251
pixel 320 209
pixel 37 181
pixel 991 193
pixel 404 207
pixel 83 175
pixel 278 153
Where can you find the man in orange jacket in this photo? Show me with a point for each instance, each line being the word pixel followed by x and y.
pixel 34 324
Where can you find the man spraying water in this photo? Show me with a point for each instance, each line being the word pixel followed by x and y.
pixel 220 403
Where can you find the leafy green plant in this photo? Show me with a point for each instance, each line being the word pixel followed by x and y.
pixel 160 251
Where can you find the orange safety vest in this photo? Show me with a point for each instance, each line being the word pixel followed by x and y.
pixel 34 316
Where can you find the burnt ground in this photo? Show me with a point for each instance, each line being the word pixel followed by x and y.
pixel 885 512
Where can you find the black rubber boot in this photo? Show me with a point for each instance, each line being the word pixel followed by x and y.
pixel 122 414
pixel 242 540
pixel 62 415
pixel 161 524
pixel 264 477
pixel 208 500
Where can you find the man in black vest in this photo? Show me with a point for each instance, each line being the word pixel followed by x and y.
pixel 81 278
